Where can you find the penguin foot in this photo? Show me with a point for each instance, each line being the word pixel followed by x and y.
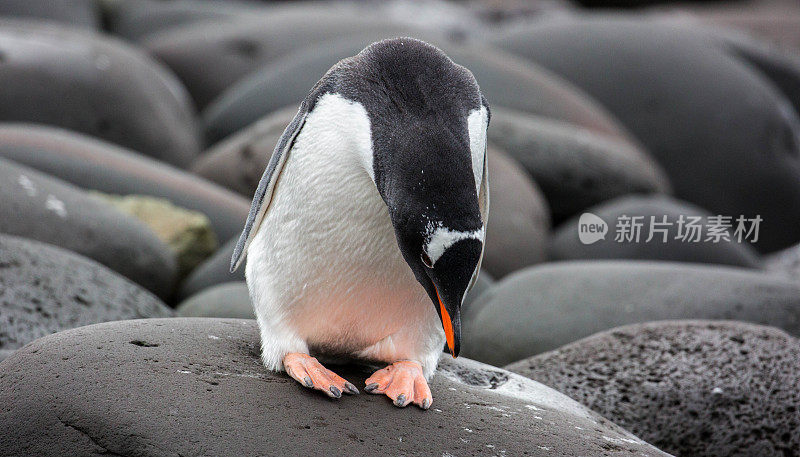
pixel 403 382
pixel 309 372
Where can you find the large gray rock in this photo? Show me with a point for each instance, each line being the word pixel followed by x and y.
pixel 136 20
pixel 286 81
pixel 45 289
pixel 189 386
pixel 575 167
pixel 94 164
pixel 76 13
pixel 541 308
pixel 230 50
pixel 95 85
pixel 230 299
pixel 215 270
pixel 43 208
pixel 518 230
pixel 700 388
pixel 724 133
pixel 566 244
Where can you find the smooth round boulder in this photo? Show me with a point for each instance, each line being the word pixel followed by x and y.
pixel 287 80
pixel 785 263
pixel 668 229
pixel 45 289
pixel 543 307
pixel 727 138
pixel 97 165
pixel 74 13
pixel 518 230
pixel 575 167
pixel 215 270
pixel 46 209
pixel 187 385
pixel 95 85
pixel 230 50
pixel 238 162
pixel 134 21
pixel 710 388
pixel 229 299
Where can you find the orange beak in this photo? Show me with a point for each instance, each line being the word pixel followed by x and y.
pixel 448 326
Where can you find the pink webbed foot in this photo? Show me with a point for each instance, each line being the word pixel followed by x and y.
pixel 309 372
pixel 403 382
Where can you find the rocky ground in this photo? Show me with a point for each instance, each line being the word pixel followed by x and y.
pixel 133 134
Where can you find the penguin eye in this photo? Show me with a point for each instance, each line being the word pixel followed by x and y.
pixel 426 260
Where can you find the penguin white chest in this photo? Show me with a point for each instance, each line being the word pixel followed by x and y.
pixel 325 263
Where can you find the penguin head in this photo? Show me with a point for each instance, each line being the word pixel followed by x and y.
pixel 428 124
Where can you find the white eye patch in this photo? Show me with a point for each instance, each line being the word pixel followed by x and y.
pixel 441 238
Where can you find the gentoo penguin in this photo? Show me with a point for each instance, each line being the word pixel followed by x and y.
pixel 371 209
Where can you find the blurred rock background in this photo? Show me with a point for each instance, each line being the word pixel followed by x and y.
pixel 134 132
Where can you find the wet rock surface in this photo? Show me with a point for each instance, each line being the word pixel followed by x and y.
pixel 711 388
pixel 103 88
pixel 541 308
pixel 187 385
pixel 43 208
pixel 92 164
pixel 675 242
pixel 675 93
pixel 45 289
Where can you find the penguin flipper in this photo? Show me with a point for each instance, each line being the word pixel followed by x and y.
pixel 266 187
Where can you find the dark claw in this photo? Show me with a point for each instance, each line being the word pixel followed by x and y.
pixel 401 400
pixel 371 387
pixel 426 404
pixel 350 388
pixel 336 392
pixel 308 381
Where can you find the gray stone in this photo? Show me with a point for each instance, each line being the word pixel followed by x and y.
pixel 231 50
pixel 518 231
pixel 723 131
pixel 575 167
pixel 5 353
pixel 230 299
pixel 567 246
pixel 75 13
pixel 43 208
pixel 286 81
pixel 704 388
pixel 136 20
pixel 215 270
pixel 44 289
pixel 187 232
pixel 785 263
pixel 482 284
pixel 94 164
pixel 189 386
pixel 95 85
pixel 541 308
